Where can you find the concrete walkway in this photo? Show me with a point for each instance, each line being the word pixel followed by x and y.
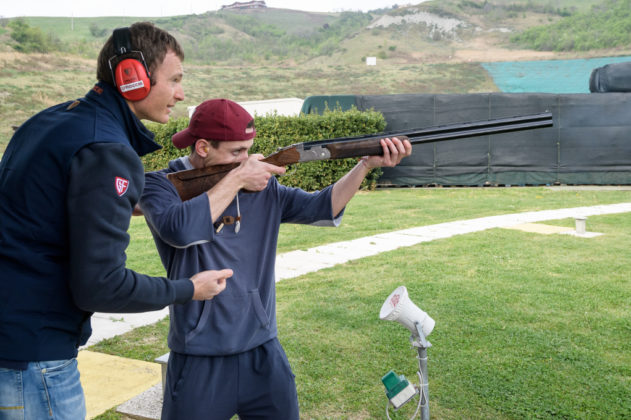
pixel 297 263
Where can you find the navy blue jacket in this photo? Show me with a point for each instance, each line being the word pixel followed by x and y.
pixel 69 180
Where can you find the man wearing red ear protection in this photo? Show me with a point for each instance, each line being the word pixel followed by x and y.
pixel 69 181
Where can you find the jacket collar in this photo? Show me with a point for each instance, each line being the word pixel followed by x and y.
pixel 140 137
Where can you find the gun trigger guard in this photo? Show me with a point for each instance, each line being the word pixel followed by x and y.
pixel 291 169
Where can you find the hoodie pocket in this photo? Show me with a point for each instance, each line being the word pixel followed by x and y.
pixel 255 300
pixel 231 314
pixel 201 322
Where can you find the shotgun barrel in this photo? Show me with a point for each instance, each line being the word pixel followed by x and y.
pixel 192 182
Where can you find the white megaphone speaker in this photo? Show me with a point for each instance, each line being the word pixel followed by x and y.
pixel 398 307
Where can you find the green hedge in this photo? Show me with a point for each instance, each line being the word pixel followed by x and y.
pixel 275 131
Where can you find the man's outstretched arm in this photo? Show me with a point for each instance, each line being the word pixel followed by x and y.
pixel 394 150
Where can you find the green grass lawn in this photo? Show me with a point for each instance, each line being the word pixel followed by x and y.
pixel 527 325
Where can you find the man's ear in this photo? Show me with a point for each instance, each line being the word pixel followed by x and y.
pixel 202 147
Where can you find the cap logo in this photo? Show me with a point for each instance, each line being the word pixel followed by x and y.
pixel 121 185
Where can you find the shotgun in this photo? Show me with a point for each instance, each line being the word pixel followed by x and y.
pixel 190 183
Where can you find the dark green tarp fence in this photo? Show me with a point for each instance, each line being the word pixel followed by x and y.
pixel 317 104
pixel 590 142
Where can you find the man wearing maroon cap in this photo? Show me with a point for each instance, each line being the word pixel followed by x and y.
pixel 225 355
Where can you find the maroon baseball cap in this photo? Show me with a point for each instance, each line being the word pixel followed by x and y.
pixel 216 119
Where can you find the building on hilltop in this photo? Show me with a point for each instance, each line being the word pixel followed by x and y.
pixel 245 5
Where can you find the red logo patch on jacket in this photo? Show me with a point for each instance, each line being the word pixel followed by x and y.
pixel 121 185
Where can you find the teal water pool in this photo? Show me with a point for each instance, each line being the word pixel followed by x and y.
pixel 547 76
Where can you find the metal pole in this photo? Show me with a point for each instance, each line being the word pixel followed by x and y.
pixel 422 345
pixel 424 382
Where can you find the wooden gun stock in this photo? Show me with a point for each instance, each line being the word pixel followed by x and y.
pixel 192 182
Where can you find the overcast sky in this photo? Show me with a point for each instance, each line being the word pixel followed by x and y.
pixel 159 8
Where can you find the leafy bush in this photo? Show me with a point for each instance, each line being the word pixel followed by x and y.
pixel 274 131
pixel 160 159
pixel 29 39
pixel 97 31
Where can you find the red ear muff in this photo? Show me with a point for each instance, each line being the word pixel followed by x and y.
pixel 130 75
pixel 132 80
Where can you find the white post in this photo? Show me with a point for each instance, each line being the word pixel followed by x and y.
pixel 580 225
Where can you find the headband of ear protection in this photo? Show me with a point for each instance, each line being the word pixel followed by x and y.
pixel 130 75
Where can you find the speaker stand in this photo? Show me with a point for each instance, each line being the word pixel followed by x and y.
pixel 419 341
pixel 421 346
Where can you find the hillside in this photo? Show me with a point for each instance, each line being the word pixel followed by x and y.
pixel 435 46
pixel 606 25
pixel 487 31
pixel 432 31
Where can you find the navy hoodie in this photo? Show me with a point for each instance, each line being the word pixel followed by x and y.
pixel 69 180
pixel 243 316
